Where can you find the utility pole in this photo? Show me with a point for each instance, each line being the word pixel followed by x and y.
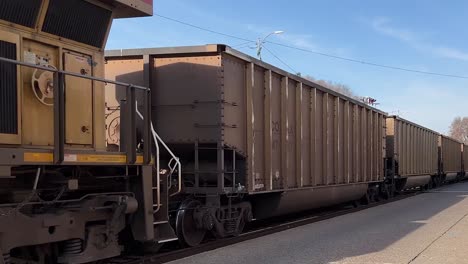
pixel 261 42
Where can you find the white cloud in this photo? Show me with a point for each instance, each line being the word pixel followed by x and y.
pixel 300 41
pixel 452 53
pixel 383 26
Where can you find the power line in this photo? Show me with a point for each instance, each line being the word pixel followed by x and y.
pixel 278 58
pixel 317 53
pixel 204 29
pixel 242 44
pixel 367 63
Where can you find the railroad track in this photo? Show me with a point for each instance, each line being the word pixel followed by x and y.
pixel 278 225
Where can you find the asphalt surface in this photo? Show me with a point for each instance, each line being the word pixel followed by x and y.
pixel 427 228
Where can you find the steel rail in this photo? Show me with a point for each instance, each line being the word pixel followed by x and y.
pixel 256 233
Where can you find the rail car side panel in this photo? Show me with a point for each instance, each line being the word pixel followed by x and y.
pixel 413 147
pixel 275 128
pixel 465 159
pixel 258 129
pixel 235 106
pixel 315 138
pixel 450 157
pixel 306 147
pixel 187 96
pixel 291 133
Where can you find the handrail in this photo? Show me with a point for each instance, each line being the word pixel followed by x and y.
pixel 156 140
pixel 172 167
pixel 158 179
pixel 59 109
pixel 58 74
pixel 179 165
pixel 31 65
pixel 59 118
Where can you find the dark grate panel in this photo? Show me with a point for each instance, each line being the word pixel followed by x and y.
pixel 22 12
pixel 8 90
pixel 77 20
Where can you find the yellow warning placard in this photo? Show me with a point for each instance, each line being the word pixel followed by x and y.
pixel 38 157
pixel 102 158
pixel 79 158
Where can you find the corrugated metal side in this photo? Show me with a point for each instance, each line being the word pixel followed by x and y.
pixel 8 90
pixel 465 157
pixel 413 147
pixel 21 12
pixel 235 106
pixel 77 20
pixel 292 134
pixel 301 136
pixel 450 155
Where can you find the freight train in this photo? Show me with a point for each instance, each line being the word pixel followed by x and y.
pixel 99 155
pixel 256 141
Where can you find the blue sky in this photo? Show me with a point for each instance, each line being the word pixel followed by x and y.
pixel 421 35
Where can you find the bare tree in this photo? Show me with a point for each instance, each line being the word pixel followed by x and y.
pixel 459 129
pixel 335 86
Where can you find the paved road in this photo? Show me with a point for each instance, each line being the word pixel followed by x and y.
pixel 424 229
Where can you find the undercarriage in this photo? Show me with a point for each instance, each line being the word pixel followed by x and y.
pixel 65 214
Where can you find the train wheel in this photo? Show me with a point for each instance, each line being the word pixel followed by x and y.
pixel 186 227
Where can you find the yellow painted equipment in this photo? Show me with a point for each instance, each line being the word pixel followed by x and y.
pixel 62 191
pixel 42 35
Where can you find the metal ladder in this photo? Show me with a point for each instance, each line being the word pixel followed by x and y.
pixel 161 188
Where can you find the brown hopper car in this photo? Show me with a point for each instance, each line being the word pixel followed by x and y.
pixel 450 158
pixel 465 160
pixel 240 124
pixel 413 153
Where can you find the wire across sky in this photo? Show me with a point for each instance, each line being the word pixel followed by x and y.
pixel 353 60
